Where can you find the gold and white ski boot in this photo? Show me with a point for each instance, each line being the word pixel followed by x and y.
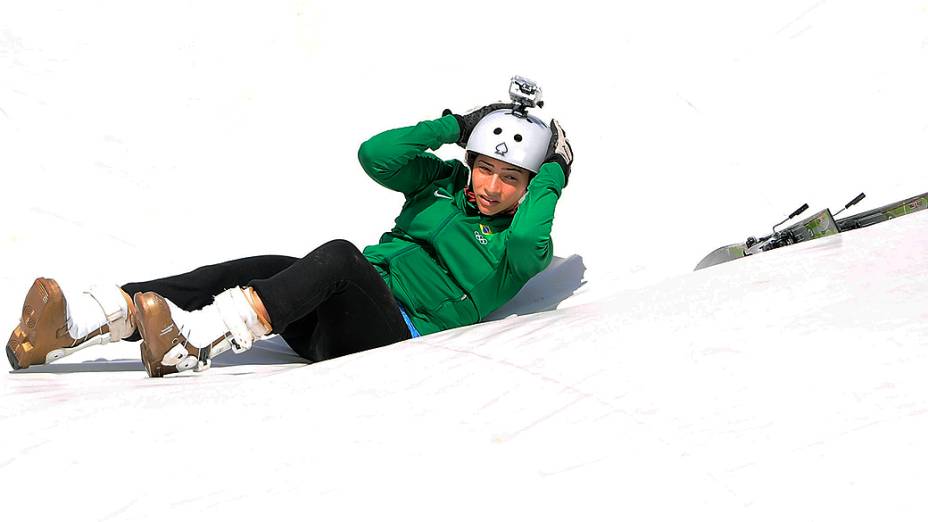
pixel 174 340
pixel 50 329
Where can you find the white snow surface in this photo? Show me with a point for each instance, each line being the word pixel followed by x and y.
pixel 138 140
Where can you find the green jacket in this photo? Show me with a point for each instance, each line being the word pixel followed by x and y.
pixel 446 264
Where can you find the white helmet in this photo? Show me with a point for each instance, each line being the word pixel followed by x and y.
pixel 517 139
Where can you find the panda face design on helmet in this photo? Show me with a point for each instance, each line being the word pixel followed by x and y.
pixel 519 139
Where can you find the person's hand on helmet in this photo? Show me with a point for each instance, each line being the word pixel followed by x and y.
pixel 559 149
pixel 468 121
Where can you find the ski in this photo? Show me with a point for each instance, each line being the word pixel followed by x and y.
pixel 821 224
pixel 884 213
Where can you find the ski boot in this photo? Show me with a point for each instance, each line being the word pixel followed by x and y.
pixel 47 324
pixel 174 340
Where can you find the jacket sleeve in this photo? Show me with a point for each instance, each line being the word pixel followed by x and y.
pixel 397 159
pixel 529 249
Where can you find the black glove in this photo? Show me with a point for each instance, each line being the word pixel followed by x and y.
pixel 469 120
pixel 559 149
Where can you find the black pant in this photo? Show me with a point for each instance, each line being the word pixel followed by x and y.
pixel 328 304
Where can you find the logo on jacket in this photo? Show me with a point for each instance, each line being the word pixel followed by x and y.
pixel 480 239
pixel 502 149
pixel 440 195
pixel 486 230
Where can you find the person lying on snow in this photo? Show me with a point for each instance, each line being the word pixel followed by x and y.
pixel 466 241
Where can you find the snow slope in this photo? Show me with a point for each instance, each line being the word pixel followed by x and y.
pixel 789 385
pixel 784 386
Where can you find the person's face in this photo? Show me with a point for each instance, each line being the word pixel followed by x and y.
pixel 497 184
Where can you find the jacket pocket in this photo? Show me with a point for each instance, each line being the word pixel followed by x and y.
pixel 453 313
pixel 425 285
